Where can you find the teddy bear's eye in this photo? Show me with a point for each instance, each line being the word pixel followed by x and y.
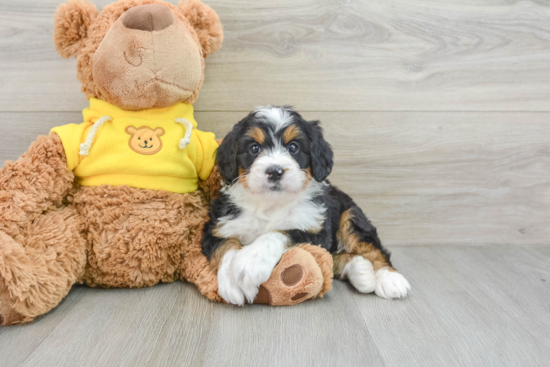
pixel 139 138
pixel 151 139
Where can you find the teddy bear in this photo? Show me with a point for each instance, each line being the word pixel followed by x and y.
pixel 120 199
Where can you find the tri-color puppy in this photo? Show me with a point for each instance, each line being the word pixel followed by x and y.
pixel 276 195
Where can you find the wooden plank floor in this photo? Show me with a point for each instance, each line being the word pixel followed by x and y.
pixel 324 55
pixel 476 306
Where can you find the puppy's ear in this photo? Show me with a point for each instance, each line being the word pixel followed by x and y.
pixel 206 23
pixel 227 157
pixel 71 23
pixel 321 154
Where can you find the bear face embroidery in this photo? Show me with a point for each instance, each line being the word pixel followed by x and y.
pixel 145 140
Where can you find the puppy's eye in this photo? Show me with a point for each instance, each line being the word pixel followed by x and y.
pixel 293 148
pixel 255 149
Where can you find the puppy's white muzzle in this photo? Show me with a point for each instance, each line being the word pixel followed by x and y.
pixel 275 172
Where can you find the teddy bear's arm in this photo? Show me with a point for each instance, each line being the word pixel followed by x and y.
pixel 36 182
pixel 212 185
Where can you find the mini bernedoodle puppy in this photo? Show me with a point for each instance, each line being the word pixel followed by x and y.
pixel 276 195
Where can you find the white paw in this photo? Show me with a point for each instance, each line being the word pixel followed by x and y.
pixel 250 268
pixel 360 273
pixel 227 289
pixel 391 284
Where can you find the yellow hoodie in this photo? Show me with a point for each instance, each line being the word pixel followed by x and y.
pixel 158 149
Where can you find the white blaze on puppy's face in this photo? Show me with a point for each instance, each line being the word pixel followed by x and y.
pixel 292 181
pixel 280 117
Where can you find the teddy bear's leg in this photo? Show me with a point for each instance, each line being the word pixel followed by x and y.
pixel 38 251
pixel 196 268
pixel 213 184
pixel 8 315
pixel 304 272
pixel 39 266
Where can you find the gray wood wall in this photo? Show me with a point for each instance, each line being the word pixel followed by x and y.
pixel 438 110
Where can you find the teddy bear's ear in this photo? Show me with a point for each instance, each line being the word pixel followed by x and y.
pixel 206 23
pixel 130 130
pixel 71 23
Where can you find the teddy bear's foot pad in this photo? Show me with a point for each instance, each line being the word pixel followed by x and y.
pixel 295 279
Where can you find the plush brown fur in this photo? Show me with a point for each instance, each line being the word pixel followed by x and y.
pixel 8 315
pixel 41 248
pixel 325 264
pixel 212 185
pixel 201 22
pixel 35 183
pixel 206 24
pixel 137 237
pixel 40 267
pixel 54 234
pixel 71 23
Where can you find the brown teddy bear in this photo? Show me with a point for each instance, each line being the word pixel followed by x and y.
pixel 120 200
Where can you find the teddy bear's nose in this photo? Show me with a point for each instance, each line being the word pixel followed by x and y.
pixel 150 17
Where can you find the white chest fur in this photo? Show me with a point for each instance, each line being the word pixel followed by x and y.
pixel 260 216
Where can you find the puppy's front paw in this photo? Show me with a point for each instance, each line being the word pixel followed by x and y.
pixel 391 284
pixel 227 289
pixel 250 268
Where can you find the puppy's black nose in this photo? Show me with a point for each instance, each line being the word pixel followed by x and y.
pixel 274 173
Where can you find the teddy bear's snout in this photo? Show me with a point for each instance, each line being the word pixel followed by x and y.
pixel 150 17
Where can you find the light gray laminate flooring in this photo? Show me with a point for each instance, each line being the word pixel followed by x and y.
pixel 476 306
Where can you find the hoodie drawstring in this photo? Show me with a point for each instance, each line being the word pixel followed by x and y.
pixel 188 130
pixel 85 147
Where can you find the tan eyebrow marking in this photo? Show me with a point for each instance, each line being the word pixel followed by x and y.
pixel 292 132
pixel 257 134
